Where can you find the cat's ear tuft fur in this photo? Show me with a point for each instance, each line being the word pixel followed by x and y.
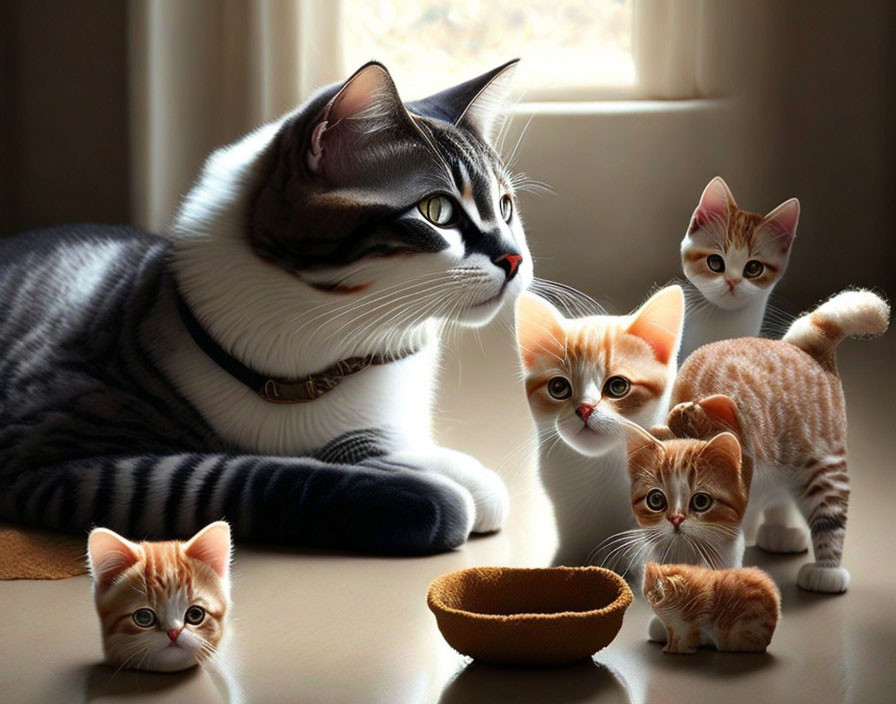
pixel 109 555
pixel 659 321
pixel 780 224
pixel 714 206
pixel 539 329
pixel 212 546
pixel 485 110
pixel 723 451
pixel 644 450
pixel 724 410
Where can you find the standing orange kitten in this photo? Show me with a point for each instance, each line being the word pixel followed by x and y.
pixel 162 605
pixel 734 610
pixel 586 380
pixel 790 413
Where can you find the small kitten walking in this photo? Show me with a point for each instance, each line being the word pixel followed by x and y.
pixel 163 606
pixel 734 610
pixel 586 379
pixel 734 259
pixel 788 401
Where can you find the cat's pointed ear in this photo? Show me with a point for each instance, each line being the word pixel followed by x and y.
pixel 723 451
pixel 723 409
pixel 365 111
pixel 212 546
pixel 714 206
pixel 644 450
pixel 780 224
pixel 659 321
pixel 109 555
pixel 539 329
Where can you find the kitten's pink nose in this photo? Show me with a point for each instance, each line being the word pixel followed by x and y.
pixel 584 411
pixel 510 263
pixel 676 519
pixel 173 633
pixel 731 283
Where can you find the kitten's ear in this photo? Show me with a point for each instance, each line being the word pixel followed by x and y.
pixel 365 112
pixel 723 409
pixel 539 329
pixel 644 450
pixel 659 321
pixel 109 555
pixel 723 451
pixel 714 205
pixel 780 224
pixel 477 104
pixel 212 546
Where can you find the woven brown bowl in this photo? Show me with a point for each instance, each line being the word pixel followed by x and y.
pixel 514 616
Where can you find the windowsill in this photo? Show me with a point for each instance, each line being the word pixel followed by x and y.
pixel 618 107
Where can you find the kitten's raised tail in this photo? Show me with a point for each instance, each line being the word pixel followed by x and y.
pixel 853 313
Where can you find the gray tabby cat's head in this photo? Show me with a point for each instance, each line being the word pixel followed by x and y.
pixel 359 193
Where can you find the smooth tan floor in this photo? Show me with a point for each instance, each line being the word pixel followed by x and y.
pixel 334 628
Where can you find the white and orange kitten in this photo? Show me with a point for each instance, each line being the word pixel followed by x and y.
pixel 734 259
pixel 585 379
pixel 162 606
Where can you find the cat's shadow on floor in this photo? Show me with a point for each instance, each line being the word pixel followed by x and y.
pixel 102 681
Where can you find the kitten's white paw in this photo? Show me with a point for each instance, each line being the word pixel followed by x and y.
pixel 827 580
pixel 656 631
pixel 782 539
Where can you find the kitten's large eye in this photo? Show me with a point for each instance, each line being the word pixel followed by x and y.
pixel 145 618
pixel 506 208
pixel 715 263
pixel 617 386
pixel 701 501
pixel 656 500
pixel 753 269
pixel 559 388
pixel 439 210
pixel 195 615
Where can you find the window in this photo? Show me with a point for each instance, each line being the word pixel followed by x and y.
pixel 570 48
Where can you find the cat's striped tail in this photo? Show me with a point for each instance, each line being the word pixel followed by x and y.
pixel 851 313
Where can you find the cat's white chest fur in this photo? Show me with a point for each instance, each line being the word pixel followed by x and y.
pixel 708 323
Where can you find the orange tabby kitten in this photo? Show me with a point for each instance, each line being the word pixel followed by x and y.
pixel 689 497
pixel 788 398
pixel 586 379
pixel 162 605
pixel 734 610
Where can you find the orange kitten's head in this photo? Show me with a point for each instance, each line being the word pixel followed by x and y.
pixel 586 376
pixel 162 605
pixel 689 496
pixel 667 586
pixel 733 256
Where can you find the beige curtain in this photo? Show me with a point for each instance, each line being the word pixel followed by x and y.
pixel 203 72
pixel 676 47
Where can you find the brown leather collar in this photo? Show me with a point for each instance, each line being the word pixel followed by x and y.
pixel 276 390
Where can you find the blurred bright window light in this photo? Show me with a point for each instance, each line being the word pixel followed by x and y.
pixel 570 48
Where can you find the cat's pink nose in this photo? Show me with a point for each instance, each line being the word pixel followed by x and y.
pixel 173 633
pixel 731 283
pixel 584 411
pixel 510 263
pixel 676 519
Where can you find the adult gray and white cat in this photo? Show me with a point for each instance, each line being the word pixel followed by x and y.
pixel 148 381
pixel 734 259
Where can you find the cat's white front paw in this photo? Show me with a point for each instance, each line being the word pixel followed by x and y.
pixel 491 498
pixel 782 539
pixel 827 580
pixel 656 630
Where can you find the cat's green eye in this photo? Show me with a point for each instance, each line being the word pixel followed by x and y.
pixel 195 615
pixel 145 618
pixel 753 269
pixel 701 501
pixel 506 208
pixel 617 386
pixel 715 263
pixel 439 210
pixel 655 500
pixel 559 388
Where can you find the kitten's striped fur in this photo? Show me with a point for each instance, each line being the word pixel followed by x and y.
pixel 792 413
